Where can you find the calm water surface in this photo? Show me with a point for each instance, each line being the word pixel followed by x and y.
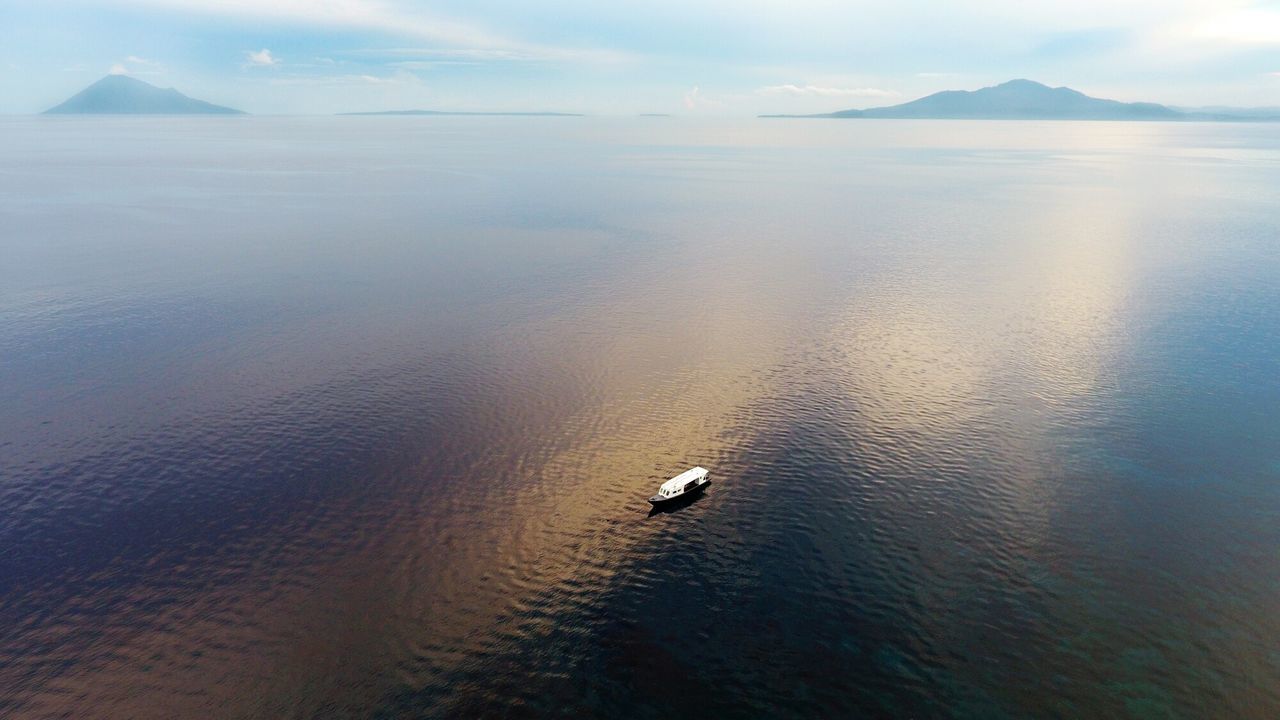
pixel 356 417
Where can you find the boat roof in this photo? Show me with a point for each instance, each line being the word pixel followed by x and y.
pixel 684 477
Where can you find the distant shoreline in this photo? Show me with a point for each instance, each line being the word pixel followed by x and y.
pixel 463 113
pixel 1233 119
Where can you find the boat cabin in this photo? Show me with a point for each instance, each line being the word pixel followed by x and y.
pixel 682 483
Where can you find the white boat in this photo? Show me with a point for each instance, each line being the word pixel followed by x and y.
pixel 686 484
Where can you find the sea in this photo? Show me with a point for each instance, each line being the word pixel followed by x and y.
pixel 357 417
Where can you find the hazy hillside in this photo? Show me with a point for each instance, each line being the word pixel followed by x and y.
pixel 123 95
pixel 1029 100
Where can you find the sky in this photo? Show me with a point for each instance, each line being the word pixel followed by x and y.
pixel 623 57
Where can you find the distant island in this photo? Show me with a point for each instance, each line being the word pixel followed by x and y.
pixel 123 95
pixel 466 113
pixel 1030 100
pixel 1233 113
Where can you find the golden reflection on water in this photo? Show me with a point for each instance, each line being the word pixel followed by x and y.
pixel 585 413
pixel 963 363
pixel 660 397
pixel 1041 317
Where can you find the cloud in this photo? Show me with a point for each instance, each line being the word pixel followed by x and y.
pixel 488 54
pixel 134 65
pixel 695 99
pixel 691 97
pixel 828 92
pixel 427 64
pixel 347 80
pixel 1242 27
pixel 387 17
pixel 260 58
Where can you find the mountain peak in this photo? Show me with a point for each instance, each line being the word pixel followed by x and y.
pixel 125 95
pixel 1023 83
pixel 118 78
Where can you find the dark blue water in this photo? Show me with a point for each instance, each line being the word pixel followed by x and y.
pixel 356 417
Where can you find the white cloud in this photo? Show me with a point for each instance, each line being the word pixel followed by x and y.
pixel 695 99
pixel 134 65
pixel 427 64
pixel 1243 27
pixel 260 58
pixel 383 16
pixel 491 54
pixel 691 97
pixel 347 80
pixel 828 92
